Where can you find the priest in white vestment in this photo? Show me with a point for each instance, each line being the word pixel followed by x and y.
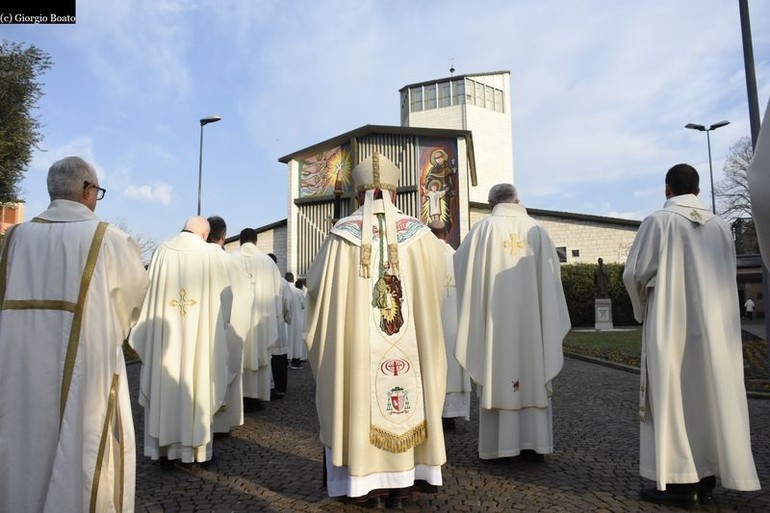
pixel 296 328
pixel 376 347
pixel 457 403
pixel 279 353
pixel 181 338
pixel 512 320
pixel 262 334
pixel 680 275
pixel 230 414
pixel 71 287
pixel 758 176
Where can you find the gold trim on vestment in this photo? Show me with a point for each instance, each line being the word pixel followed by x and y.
pixel 390 442
pixel 111 406
pixel 39 304
pixel 77 320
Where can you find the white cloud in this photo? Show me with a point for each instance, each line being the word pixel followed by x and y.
pixel 157 193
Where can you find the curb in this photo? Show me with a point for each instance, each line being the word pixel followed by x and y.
pixel 635 370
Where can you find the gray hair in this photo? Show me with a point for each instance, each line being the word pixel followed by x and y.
pixel 503 193
pixel 66 177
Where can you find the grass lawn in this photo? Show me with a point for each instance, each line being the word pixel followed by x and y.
pixel 624 346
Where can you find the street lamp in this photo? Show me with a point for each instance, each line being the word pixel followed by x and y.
pixel 204 121
pixel 702 128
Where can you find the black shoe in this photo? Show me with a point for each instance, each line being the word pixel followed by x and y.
pixel 706 489
pixel 681 495
pixel 275 394
pixel 532 456
pixel 373 500
pixel 397 498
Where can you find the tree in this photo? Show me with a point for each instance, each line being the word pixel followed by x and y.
pixel 146 245
pixel 732 193
pixel 20 68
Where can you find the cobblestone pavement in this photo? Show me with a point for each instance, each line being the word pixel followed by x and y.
pixel 273 462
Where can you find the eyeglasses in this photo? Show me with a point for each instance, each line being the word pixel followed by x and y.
pixel 100 192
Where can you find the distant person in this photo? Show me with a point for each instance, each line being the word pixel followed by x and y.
pixel 758 175
pixel 376 347
pixel 297 349
pixel 749 306
pixel 70 289
pixel 231 413
pixel 457 403
pixel 182 341
pixel 262 336
pixel 279 353
pixel 512 320
pixel 680 275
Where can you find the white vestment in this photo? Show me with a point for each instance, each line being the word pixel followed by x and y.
pixel 182 340
pixel 458 383
pixel 283 317
pixel 70 290
pixel 231 413
pixel 262 335
pixel 680 275
pixel 350 354
pixel 297 347
pixel 758 176
pixel 512 320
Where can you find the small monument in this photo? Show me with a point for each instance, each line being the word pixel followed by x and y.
pixel 602 303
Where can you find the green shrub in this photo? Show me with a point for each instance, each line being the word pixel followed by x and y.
pixel 580 291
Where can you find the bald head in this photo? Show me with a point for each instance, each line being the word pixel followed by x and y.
pixel 198 225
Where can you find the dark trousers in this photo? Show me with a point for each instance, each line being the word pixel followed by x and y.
pixel 279 364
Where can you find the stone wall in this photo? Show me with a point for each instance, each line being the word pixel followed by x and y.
pixel 585 238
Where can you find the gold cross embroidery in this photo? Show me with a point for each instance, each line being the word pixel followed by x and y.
pixel 183 304
pixel 449 284
pixel 513 243
pixel 696 215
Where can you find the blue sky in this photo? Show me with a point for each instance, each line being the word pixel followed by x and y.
pixel 601 92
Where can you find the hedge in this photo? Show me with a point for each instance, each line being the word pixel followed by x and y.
pixel 580 290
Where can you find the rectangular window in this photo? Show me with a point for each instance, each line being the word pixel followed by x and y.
pixel 478 94
pixel 458 92
pixel 430 96
pixel 416 93
pixel 499 106
pixel 562 252
pixel 489 96
pixel 444 94
pixel 575 253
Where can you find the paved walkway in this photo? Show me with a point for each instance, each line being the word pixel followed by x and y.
pixel 273 462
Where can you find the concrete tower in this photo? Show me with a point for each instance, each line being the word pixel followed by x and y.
pixel 479 103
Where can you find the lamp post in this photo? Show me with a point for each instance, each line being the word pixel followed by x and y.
pixel 702 128
pixel 204 121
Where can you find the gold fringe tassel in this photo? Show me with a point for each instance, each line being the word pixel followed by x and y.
pixel 387 441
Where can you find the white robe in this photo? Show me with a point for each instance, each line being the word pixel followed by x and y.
pixel 70 460
pixel 231 412
pixel 297 347
pixel 457 402
pixel 283 317
pixel 512 320
pixel 758 176
pixel 182 340
pixel 262 334
pixel 680 275
pixel 339 324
